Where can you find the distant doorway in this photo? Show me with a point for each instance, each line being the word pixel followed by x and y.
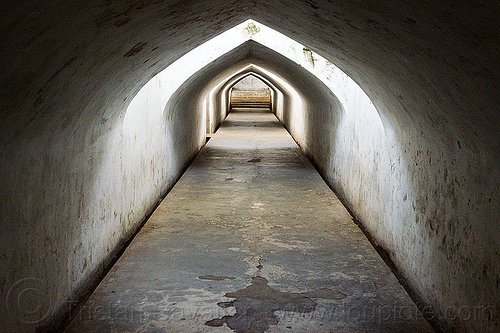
pixel 250 92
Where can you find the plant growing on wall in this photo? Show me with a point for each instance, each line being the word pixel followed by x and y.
pixel 308 54
pixel 251 29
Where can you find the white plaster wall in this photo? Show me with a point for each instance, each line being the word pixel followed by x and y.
pixel 112 183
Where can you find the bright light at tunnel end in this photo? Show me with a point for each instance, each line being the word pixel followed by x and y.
pixel 186 66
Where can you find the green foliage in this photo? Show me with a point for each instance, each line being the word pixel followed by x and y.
pixel 251 29
pixel 308 54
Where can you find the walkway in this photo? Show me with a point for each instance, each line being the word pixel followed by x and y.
pixel 250 239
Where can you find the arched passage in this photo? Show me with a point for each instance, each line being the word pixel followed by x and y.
pixel 279 91
pixel 250 92
pixel 70 69
pixel 275 94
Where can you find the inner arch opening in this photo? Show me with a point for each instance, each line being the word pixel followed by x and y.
pixel 250 92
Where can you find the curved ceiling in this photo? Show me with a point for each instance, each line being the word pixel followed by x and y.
pixel 431 68
pixel 431 65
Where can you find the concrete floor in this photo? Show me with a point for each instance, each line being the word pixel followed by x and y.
pixel 250 239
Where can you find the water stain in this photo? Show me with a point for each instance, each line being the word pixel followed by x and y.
pixel 256 305
pixel 312 4
pixel 134 50
pixel 122 21
pixel 216 277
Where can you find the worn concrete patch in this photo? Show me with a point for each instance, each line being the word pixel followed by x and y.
pixel 134 50
pixel 256 305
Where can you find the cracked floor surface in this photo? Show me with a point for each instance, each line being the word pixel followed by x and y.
pixel 250 239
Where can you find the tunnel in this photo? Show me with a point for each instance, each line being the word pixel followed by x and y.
pixel 108 107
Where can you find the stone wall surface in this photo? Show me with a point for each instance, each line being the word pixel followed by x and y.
pixel 424 178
